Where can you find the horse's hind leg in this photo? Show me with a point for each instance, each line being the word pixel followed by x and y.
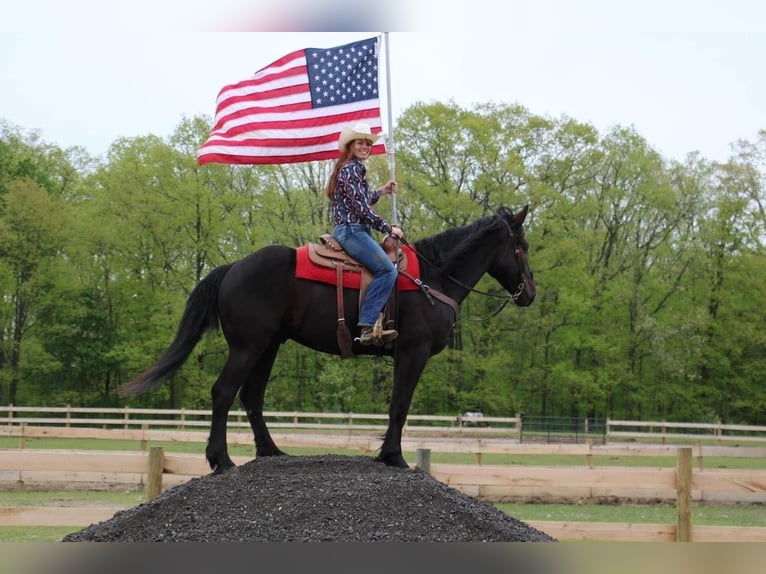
pixel 224 391
pixel 252 395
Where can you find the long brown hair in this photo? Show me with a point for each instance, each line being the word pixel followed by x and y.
pixel 344 157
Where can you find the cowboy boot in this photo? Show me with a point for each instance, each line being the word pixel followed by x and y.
pixel 369 337
pixel 376 335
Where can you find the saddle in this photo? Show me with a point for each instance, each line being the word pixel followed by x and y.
pixel 329 253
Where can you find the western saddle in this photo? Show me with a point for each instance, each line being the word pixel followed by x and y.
pixel 329 253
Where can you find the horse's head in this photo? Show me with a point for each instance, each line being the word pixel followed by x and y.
pixel 511 268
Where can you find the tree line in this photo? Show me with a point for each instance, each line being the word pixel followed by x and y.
pixel 650 272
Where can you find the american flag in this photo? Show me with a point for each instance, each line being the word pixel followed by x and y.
pixel 294 109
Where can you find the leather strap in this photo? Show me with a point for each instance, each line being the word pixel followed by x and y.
pixel 430 292
pixel 342 332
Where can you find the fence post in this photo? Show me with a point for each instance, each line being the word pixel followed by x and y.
pixel 22 436
pixel 589 456
pixel 718 432
pixel 518 426
pixel 684 495
pixel 423 459
pixel 154 474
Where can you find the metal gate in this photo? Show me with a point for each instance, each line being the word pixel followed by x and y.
pixel 537 429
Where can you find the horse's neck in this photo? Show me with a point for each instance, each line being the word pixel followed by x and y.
pixel 468 256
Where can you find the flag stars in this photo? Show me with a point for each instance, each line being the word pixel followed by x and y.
pixel 344 75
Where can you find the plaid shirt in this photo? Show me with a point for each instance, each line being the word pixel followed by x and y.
pixel 353 198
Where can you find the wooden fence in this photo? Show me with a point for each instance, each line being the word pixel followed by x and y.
pixel 96 470
pixel 155 471
pixel 501 427
pixel 368 442
pixel 35 468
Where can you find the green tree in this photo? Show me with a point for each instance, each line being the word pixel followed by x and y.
pixel 31 233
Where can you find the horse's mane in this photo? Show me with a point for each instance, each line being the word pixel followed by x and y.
pixel 452 248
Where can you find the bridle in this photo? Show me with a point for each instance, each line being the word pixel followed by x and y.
pixel 520 262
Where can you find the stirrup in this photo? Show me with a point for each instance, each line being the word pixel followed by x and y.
pixel 376 335
pixel 369 337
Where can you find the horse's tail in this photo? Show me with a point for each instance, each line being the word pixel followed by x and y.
pixel 200 316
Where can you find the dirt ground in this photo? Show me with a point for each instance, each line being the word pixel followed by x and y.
pixel 312 499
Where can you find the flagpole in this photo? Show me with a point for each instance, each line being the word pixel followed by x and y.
pixel 390 143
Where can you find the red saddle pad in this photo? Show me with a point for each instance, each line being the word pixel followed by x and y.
pixel 307 269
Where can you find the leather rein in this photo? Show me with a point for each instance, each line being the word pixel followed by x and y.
pixel 519 254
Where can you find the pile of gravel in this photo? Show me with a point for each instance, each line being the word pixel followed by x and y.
pixel 312 499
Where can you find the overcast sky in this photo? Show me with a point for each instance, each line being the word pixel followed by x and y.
pixel 686 74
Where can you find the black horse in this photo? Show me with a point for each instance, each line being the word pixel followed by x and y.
pixel 260 304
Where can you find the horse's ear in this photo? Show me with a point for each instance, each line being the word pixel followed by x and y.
pixel 515 219
pixel 519 218
pixel 503 211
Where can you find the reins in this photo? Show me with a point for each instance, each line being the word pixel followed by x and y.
pixel 506 299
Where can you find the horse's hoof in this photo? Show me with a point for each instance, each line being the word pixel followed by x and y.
pixel 396 461
pixel 221 469
pixel 275 452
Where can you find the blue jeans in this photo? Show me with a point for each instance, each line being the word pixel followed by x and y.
pixel 357 241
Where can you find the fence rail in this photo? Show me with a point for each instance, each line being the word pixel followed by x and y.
pixel 155 471
pixel 512 428
pixel 81 517
pixel 41 468
pixel 369 442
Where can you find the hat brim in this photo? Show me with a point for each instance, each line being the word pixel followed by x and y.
pixel 349 135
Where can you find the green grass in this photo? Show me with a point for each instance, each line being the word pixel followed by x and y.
pixel 575 460
pixel 34 533
pixel 71 498
pixel 707 514
pixel 108 444
pixel 57 499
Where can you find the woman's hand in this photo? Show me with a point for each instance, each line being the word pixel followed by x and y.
pixel 390 187
pixel 396 232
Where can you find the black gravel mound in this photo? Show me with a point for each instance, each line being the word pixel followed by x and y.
pixel 312 499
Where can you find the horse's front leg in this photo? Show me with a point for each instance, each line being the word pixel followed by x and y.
pixel 409 366
pixel 252 396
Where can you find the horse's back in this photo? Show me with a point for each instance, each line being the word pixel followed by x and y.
pixel 257 287
pixel 270 262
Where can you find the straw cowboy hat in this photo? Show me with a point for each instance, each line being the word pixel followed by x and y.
pixel 358 131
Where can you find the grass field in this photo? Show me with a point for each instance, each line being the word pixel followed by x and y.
pixel 717 515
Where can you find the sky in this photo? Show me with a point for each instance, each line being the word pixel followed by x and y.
pixel 687 75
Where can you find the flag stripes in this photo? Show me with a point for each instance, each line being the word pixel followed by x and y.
pixel 294 109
